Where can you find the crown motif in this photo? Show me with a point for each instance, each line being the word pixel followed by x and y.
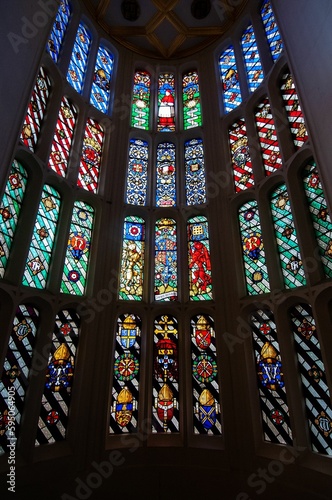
pixel 243 141
pixel 92 143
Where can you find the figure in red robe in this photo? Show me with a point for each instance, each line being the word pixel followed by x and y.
pixel 166 110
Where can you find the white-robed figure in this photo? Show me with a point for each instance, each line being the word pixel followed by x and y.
pixel 166 110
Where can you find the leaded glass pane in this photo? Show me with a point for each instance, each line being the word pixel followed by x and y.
pixel 63 136
pixel 89 170
pixel 55 405
pixel 166 100
pixel 200 279
pixel 137 173
pixel 165 280
pixel 286 239
pixel 132 263
pixel 257 280
pixel 79 58
pixel 36 110
pixel 267 136
pixel 206 393
pixel 165 175
pixel 241 161
pixel 165 410
pixel 270 379
pixel 195 172
pixel 293 110
pixel 58 32
pixel 41 246
pixel 100 90
pixel 140 110
pixel 125 389
pixel 252 61
pixel 314 385
pixel 10 209
pixel 78 249
pixel 271 30
pixel 192 116
pixel 320 216
pixel 16 372
pixel 230 80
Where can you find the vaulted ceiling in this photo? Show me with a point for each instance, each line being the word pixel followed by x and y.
pixel 165 28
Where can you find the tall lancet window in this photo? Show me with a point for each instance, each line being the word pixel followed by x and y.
pixel 140 108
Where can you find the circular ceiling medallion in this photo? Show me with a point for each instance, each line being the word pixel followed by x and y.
pixel 200 8
pixel 130 10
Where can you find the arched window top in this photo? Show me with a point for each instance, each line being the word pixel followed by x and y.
pixel 79 58
pixel 89 169
pixel 166 102
pixel 36 110
pixel 271 29
pixel 140 108
pixel 229 79
pixel 192 116
pixel 252 61
pixel 100 90
pixel 55 41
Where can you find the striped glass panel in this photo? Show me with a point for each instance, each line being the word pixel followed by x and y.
pixel 267 136
pixel 270 379
pixel 36 110
pixel 59 29
pixel 63 136
pixel 89 170
pixel 286 239
pixel 230 80
pixel 10 209
pixel 293 111
pixel 78 249
pixel 257 280
pixel 79 58
pixel 100 90
pixel 252 60
pixel 240 156
pixel 55 404
pixel 41 246
pixel 271 30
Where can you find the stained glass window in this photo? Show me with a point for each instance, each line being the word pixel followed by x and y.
pixel 293 110
pixel 252 60
pixel 192 116
pixel 88 174
pixel 41 246
pixel 100 90
pixel 79 58
pixel 314 385
pixel 10 209
pixel 165 280
pixel 132 264
pixel 36 110
pixel 257 280
pixel 166 103
pixel 195 172
pixel 286 239
pixel 137 173
pixel 206 394
pixel 165 410
pixel 55 405
pixel 241 161
pixel 125 390
pixel 165 175
pixel 58 32
pixel 270 378
pixel 16 373
pixel 267 136
pixel 200 279
pixel 140 110
pixel 63 136
pixel 78 249
pixel 229 79
pixel 320 216
pixel 271 29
